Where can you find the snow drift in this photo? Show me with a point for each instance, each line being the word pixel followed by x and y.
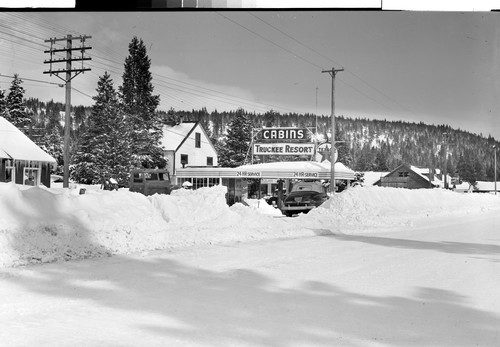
pixel 46 225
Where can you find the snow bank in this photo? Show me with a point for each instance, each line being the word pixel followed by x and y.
pixel 45 225
pixel 383 206
pixel 42 225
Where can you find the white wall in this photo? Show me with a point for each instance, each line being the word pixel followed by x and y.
pixel 196 156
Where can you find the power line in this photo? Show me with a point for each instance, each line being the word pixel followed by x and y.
pixel 33 80
pixel 331 60
pixel 270 41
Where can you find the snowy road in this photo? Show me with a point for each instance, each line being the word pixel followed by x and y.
pixel 434 284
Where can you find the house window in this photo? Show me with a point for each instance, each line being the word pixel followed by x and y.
pixel 403 174
pixel 31 176
pixel 9 171
pixel 210 161
pixel 197 140
pixel 184 159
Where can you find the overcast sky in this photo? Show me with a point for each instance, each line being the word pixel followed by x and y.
pixel 432 67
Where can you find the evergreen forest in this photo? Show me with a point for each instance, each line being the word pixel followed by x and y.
pixel 368 144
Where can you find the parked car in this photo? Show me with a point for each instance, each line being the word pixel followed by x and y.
pixel 304 197
pixel 150 181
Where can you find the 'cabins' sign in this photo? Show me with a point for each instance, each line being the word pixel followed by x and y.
pixel 284 135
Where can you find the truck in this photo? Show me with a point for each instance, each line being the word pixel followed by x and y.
pixel 150 181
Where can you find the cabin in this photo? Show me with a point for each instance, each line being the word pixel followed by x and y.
pixel 186 144
pixel 21 160
pixel 406 176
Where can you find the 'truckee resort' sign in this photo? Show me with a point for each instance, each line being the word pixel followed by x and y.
pixel 283 148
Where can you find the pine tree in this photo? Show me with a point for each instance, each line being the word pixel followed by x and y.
pixel 465 169
pixel 3 104
pixel 140 108
pixel 52 143
pixel 233 150
pixel 16 109
pixel 104 150
pixel 380 163
pixel 342 146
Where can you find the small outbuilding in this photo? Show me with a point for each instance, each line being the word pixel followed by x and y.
pixel 405 176
pixel 21 160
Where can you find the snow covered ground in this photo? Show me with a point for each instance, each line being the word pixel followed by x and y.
pixel 391 267
pixel 47 225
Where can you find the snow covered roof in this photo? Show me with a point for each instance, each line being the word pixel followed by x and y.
pixel 15 145
pixel 370 177
pixel 298 169
pixel 173 136
pixel 420 172
pixel 283 169
pixel 487 186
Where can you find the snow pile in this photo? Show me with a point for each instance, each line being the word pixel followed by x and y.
pixel 263 207
pixel 382 206
pixel 189 207
pixel 42 225
pixel 45 225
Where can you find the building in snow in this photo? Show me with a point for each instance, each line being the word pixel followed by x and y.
pixel 407 176
pixel 485 187
pixel 21 160
pixel 187 145
pixel 260 180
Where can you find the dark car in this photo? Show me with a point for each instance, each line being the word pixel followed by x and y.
pixel 303 198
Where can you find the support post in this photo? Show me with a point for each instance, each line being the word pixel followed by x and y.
pixel 332 73
pixel 69 70
pixel 495 168
pixel 67 116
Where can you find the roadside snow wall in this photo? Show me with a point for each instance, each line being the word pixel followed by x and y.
pixel 46 225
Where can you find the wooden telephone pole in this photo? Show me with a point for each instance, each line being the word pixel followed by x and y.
pixel 69 70
pixel 332 73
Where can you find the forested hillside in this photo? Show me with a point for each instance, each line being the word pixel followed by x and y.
pixel 377 145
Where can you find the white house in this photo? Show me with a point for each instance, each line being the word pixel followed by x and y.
pixel 21 160
pixel 188 145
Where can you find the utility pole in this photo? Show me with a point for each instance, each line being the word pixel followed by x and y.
pixel 445 142
pixel 69 70
pixel 332 73
pixel 316 111
pixel 495 170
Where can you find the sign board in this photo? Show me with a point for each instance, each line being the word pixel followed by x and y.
pixel 305 175
pixel 283 149
pixel 323 152
pixel 248 174
pixel 284 135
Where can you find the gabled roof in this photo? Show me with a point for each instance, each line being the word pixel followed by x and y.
pixel 420 172
pixel 15 145
pixel 174 136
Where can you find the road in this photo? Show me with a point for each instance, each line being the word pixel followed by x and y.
pixel 436 283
